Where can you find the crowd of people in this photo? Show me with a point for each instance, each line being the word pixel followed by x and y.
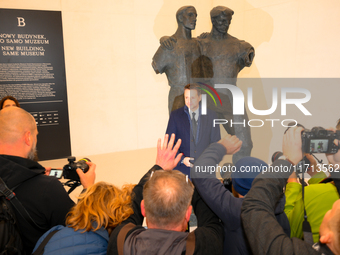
pixel 264 213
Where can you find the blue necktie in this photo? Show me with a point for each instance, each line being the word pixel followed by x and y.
pixel 194 124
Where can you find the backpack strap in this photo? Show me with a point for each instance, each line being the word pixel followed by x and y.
pixel 41 247
pixel 121 237
pixel 306 228
pixel 190 246
pixel 10 195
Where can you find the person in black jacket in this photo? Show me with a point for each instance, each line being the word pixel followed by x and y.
pixel 44 197
pixel 165 203
pixel 264 234
pixel 226 205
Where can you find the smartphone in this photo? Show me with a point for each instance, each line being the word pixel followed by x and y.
pixel 56 173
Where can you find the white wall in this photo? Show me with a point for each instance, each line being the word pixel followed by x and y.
pixel 116 101
pixel 292 39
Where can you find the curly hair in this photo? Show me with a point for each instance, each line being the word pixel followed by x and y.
pixel 102 205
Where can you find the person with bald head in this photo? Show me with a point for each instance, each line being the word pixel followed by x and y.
pixel 166 197
pixel 18 136
pixel 44 197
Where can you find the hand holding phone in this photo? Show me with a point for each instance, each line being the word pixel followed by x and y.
pixel 58 173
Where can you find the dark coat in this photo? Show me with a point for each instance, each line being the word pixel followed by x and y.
pixel 44 197
pixel 224 204
pixel 264 234
pixel 208 234
pixel 180 125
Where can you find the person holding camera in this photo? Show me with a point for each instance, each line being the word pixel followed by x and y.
pixel 319 198
pixel 99 210
pixel 43 197
pixel 263 232
pixel 222 202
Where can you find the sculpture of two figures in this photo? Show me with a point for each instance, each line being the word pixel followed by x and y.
pixel 212 58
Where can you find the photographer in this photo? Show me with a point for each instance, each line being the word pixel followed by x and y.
pixel 44 197
pixel 221 201
pixel 318 199
pixel 99 210
pixel 258 209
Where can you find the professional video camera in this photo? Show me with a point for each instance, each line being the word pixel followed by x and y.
pixel 69 172
pixel 319 140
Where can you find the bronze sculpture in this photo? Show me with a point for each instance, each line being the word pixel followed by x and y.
pixel 221 57
pixel 229 56
pixel 176 62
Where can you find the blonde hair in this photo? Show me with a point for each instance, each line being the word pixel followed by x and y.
pixel 338 124
pixel 102 205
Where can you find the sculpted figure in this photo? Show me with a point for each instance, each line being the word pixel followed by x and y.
pixel 176 60
pixel 226 56
pixel 229 56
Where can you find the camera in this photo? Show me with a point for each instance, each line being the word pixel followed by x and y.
pixel 227 183
pixel 319 140
pixel 69 170
pixel 56 173
pixel 226 176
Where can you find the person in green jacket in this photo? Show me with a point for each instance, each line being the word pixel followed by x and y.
pixel 318 199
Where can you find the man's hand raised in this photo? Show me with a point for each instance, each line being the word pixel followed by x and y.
pixel 166 152
pixel 231 143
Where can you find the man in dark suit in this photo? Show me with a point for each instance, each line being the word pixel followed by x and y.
pixel 194 128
